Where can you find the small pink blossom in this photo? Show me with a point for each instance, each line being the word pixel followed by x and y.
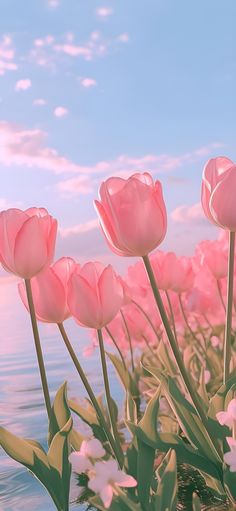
pixel 81 460
pixel 230 457
pixel 227 418
pixel 105 477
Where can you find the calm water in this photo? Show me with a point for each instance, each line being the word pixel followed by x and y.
pixel 21 400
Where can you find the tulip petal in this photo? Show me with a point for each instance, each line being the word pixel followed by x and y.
pixel 30 252
pixel 109 286
pixel 222 202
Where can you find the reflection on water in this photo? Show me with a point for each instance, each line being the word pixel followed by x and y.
pixel 21 400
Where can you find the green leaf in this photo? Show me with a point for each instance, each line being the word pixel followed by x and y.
pixel 185 452
pixel 148 423
pixel 220 400
pixel 131 409
pixel 166 495
pixel 22 450
pixel 146 457
pixel 202 390
pixel 167 361
pixel 230 483
pixel 126 378
pixel 188 419
pixel 86 415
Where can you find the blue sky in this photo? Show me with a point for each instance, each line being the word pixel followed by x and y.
pixel 90 89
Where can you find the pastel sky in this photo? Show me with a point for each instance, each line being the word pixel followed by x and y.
pixel 90 89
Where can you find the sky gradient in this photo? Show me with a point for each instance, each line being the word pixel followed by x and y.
pixel 90 89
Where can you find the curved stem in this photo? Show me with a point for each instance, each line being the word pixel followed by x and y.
pixel 90 392
pixel 116 345
pixel 230 286
pixel 38 347
pixel 220 294
pixel 108 394
pixel 186 319
pixel 171 313
pixel 149 347
pixel 147 317
pixel 176 352
pixel 129 340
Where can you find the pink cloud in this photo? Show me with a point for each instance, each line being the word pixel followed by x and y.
pixel 88 82
pixel 27 147
pixel 60 111
pixel 183 214
pixel 74 50
pixel 79 228
pixel 24 84
pixel 22 147
pixel 46 41
pixel 39 102
pixel 80 185
pixel 104 12
pixel 123 38
pixel 7 55
pixel 53 4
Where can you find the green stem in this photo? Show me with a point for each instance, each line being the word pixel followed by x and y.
pixel 129 340
pixel 220 294
pixel 108 396
pixel 228 328
pixel 149 347
pixel 91 394
pixel 116 345
pixel 175 350
pixel 186 319
pixel 38 347
pixel 171 313
pixel 147 318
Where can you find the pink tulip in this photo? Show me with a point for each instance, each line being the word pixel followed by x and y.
pixel 49 290
pixel 132 214
pixel 218 192
pixel 164 267
pixel 95 295
pixel 182 274
pixel 27 240
pixel 215 256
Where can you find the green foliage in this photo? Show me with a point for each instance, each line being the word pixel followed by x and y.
pixel 165 498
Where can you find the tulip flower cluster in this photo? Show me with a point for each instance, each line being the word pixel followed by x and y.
pixel 171 324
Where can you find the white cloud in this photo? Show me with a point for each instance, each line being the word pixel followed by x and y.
pixel 24 84
pixel 60 111
pixel 39 102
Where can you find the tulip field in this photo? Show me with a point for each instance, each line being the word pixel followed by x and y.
pixel 168 328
